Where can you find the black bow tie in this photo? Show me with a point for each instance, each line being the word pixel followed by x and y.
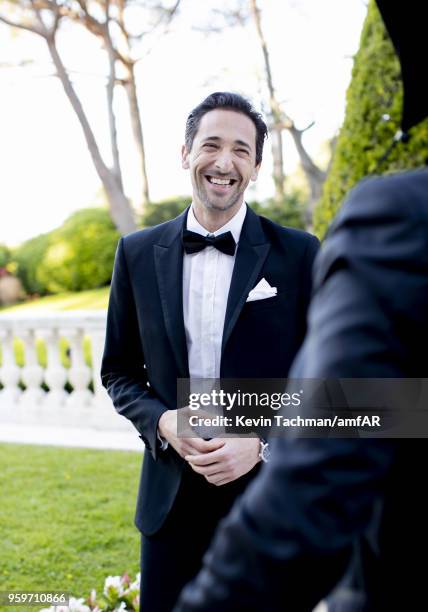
pixel 193 242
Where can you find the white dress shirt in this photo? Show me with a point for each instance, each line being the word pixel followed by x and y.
pixel 206 283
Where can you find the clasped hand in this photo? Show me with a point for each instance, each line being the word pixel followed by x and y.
pixel 219 460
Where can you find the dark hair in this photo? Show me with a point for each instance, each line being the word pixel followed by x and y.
pixel 227 101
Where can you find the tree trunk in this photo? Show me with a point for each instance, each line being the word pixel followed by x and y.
pixel 275 111
pixel 110 102
pixel 134 109
pixel 278 165
pixel 314 175
pixel 120 207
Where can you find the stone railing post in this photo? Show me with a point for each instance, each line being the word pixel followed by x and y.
pixel 79 373
pixel 97 337
pixel 10 373
pixel 32 372
pixel 55 373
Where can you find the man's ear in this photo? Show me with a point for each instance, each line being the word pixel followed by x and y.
pixel 184 157
pixel 255 173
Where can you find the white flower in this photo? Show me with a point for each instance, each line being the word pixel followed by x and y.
pixel 136 584
pixel 75 605
pixel 78 605
pixel 121 608
pixel 114 582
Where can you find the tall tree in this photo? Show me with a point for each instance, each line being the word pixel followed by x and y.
pixel 108 21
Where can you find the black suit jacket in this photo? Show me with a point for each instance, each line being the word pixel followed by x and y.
pixel 288 539
pixel 145 350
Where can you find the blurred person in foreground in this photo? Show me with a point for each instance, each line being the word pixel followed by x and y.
pixel 180 307
pixel 288 540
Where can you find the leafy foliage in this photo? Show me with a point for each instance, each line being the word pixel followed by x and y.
pixel 78 255
pixel 81 252
pixel 29 258
pixel 5 255
pixel 375 92
pixel 159 212
pixel 289 212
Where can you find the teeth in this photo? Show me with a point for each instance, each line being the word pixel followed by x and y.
pixel 218 181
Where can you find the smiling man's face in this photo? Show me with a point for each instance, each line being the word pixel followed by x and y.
pixel 222 160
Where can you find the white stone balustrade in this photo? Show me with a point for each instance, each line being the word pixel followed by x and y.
pixel 56 407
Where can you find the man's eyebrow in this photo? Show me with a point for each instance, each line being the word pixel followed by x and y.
pixel 242 143
pixel 216 138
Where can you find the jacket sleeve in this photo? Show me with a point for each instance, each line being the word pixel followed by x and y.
pixel 123 371
pixel 286 542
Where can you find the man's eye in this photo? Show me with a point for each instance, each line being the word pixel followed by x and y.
pixel 242 151
pixel 209 145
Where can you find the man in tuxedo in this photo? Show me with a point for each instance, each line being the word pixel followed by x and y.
pixel 179 309
pixel 289 538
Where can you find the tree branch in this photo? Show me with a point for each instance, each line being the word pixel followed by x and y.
pixel 170 13
pixel 22 26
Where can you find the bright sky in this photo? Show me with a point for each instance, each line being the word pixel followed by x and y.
pixel 46 170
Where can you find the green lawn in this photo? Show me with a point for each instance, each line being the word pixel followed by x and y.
pixel 82 300
pixel 66 517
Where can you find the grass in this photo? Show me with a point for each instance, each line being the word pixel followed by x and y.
pixel 96 299
pixel 66 518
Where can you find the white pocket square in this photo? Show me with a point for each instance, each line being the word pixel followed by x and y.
pixel 261 291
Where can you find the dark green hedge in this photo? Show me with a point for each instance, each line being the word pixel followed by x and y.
pixel 375 90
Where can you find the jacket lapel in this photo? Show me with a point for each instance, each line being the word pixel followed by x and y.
pixel 252 251
pixel 168 254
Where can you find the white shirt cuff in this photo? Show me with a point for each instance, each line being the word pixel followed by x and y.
pixel 163 443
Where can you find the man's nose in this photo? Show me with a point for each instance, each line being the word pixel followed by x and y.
pixel 223 162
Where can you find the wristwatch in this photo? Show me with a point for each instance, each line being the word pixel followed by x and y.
pixel 264 452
